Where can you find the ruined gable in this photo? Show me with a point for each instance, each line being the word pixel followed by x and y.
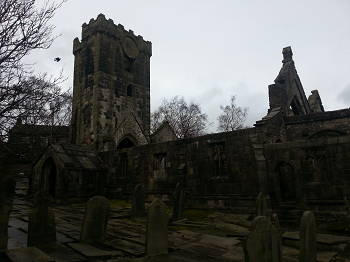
pixel 287 93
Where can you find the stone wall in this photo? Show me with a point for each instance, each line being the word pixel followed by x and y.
pixel 313 172
pixel 332 123
pixel 215 169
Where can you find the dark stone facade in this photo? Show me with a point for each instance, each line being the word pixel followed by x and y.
pixel 69 171
pixel 25 144
pixel 297 155
pixel 111 94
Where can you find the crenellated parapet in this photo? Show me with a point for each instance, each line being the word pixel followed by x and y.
pixel 131 43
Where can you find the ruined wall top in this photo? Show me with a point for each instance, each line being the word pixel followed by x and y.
pixel 101 25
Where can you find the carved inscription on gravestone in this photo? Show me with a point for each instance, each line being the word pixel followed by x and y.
pixel 178 204
pixel 7 191
pixel 95 221
pixel 257 244
pixel 307 238
pixel 41 225
pixel 138 202
pixel 157 229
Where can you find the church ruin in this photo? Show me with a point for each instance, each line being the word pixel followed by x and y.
pixel 297 155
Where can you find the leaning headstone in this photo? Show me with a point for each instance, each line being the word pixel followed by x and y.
pixel 261 205
pixel 95 220
pixel 257 244
pixel 138 203
pixel 276 239
pixel 307 238
pixel 178 204
pixel 7 192
pixel 157 229
pixel 41 225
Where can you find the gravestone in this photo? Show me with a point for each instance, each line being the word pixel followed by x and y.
pixel 307 238
pixel 261 205
pixel 178 204
pixel 347 206
pixel 138 203
pixel 276 239
pixel 95 220
pixel 157 229
pixel 41 224
pixel 7 192
pixel 257 243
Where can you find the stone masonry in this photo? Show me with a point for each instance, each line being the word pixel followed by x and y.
pixel 111 104
pixel 297 155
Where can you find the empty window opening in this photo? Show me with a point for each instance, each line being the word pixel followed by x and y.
pixel 125 143
pixel 129 90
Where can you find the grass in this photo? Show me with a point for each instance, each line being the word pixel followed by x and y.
pixel 197 215
pixel 119 203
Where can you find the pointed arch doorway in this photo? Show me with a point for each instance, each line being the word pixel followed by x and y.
pixel 49 176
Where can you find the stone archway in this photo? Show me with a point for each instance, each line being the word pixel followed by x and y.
pixel 49 176
pixel 127 141
pixel 286 182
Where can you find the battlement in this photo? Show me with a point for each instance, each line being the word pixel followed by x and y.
pixel 101 25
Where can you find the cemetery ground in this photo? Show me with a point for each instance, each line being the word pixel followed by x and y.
pixel 207 236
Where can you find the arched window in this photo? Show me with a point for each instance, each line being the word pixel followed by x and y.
pixel 125 143
pixel 49 174
pixel 129 90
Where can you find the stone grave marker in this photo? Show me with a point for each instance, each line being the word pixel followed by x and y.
pixel 41 224
pixel 95 220
pixel 138 203
pixel 257 243
pixel 347 206
pixel 261 205
pixel 178 204
pixel 307 238
pixel 7 192
pixel 276 239
pixel 157 229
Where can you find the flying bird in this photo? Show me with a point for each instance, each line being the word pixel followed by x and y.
pixel 57 59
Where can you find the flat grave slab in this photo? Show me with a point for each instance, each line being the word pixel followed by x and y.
pixel 29 254
pixel 13 244
pixel 89 251
pixel 126 246
pixel 61 238
pixel 174 257
pixel 61 253
pixel 17 223
pixel 236 229
pixel 325 242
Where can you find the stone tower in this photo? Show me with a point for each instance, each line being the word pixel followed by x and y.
pixel 111 93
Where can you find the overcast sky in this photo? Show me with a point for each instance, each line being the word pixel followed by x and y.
pixel 207 50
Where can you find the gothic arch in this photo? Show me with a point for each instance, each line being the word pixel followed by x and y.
pixel 327 133
pixel 49 176
pixel 129 90
pixel 285 181
pixel 127 141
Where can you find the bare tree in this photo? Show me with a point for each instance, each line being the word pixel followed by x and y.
pixel 187 120
pixel 23 28
pixel 232 117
